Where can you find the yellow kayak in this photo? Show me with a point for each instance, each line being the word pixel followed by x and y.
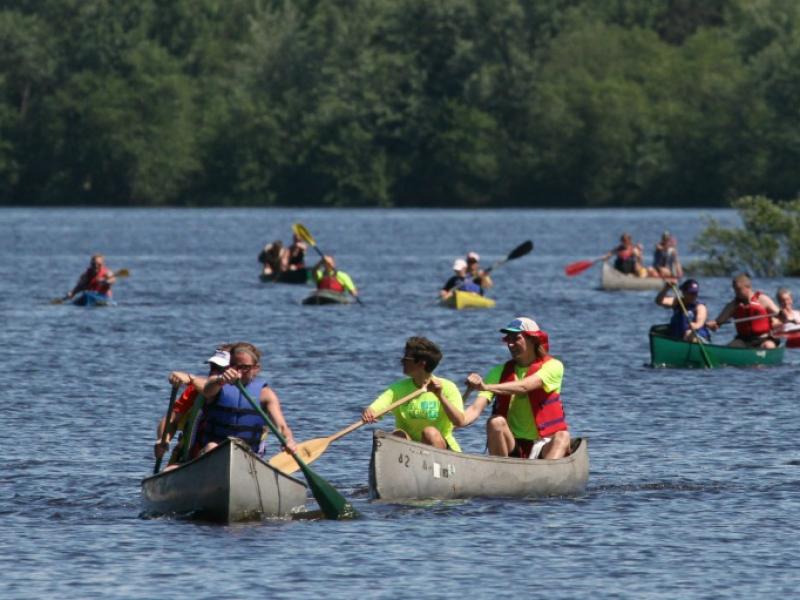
pixel 461 300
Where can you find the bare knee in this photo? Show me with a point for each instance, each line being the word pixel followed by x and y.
pixel 558 447
pixel 433 437
pixel 496 424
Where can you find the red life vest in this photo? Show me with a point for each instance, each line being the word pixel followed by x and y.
pixel 548 412
pixel 752 309
pixel 329 282
pixel 98 284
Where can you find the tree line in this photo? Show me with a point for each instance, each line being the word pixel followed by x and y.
pixel 467 103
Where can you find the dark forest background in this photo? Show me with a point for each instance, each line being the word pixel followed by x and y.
pixel 463 103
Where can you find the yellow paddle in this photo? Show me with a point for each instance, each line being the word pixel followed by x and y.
pixel 122 273
pixel 312 449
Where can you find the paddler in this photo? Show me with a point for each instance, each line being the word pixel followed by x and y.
pixel 217 364
pixel 97 278
pixel 788 318
pixel 478 275
pixel 461 280
pixel 271 258
pixel 665 258
pixel 228 413
pixel 293 257
pixel 627 256
pixel 328 277
pixel 527 418
pixel 753 311
pixel 429 417
pixel 681 327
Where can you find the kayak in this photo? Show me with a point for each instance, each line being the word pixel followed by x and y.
pixel 327 297
pixel 404 470
pixel 792 337
pixel 297 277
pixel 666 351
pixel 461 300
pixel 93 299
pixel 611 279
pixel 226 484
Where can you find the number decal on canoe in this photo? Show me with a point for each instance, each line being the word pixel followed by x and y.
pixel 404 459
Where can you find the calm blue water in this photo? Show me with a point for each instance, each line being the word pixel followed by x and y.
pixel 695 476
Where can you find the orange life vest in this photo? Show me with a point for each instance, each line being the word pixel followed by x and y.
pixel 547 409
pixel 329 282
pixel 98 283
pixel 752 308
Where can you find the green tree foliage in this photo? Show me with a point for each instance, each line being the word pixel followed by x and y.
pixel 398 102
pixel 767 244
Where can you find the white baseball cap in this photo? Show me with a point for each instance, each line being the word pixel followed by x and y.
pixel 459 264
pixel 221 358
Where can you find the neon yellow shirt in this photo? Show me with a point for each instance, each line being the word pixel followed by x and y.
pixel 520 415
pixel 341 277
pixel 423 411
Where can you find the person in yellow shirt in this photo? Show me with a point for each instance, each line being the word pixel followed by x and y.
pixel 328 277
pixel 527 415
pixel 429 417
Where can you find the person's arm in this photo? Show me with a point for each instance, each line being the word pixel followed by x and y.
pixel 662 299
pixel 347 282
pixel 520 386
pixel 701 313
pixel 83 281
pixel 725 314
pixel 769 304
pixel 110 279
pixel 474 410
pixel 485 280
pixel 380 404
pixel 455 414
pixel 270 403
pixel 214 384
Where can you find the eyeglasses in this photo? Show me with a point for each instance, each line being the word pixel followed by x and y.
pixel 244 367
pixel 407 359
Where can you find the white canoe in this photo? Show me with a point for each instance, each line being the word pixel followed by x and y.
pixel 404 470
pixel 227 484
pixel 611 279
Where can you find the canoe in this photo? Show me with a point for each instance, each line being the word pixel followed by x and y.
pixel 93 299
pixel 666 351
pixel 327 297
pixel 405 470
pixel 611 279
pixel 461 300
pixel 296 277
pixel 227 484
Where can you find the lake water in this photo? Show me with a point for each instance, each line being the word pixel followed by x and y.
pixel 694 488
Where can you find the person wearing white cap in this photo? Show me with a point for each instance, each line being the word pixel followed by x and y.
pixel 461 280
pixel 527 418
pixel 179 418
pixel 479 276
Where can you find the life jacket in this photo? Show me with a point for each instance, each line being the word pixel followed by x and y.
pixel 468 285
pixel 752 309
pixel 329 282
pixel 678 324
pixel 97 283
pixel 625 260
pixel 232 415
pixel 547 409
pixel 189 426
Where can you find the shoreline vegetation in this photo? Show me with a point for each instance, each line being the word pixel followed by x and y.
pixel 398 103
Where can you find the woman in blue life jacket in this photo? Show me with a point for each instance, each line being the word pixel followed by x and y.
pixel 681 327
pixel 459 281
pixel 229 414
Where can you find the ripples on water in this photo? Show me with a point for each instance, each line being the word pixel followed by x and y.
pixel 694 480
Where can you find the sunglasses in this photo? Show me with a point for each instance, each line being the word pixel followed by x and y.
pixel 243 367
pixel 407 359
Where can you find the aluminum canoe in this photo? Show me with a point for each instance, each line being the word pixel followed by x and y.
pixel 666 351
pixel 405 470
pixel 461 300
pixel 611 279
pixel 229 483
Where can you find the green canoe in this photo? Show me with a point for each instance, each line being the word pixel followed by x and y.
pixel 666 351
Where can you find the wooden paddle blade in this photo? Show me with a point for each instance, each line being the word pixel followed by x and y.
pixel 304 234
pixel 58 301
pixel 521 250
pixel 575 268
pixel 122 273
pixel 309 451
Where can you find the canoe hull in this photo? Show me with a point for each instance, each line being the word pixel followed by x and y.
pixel 320 297
pixel 93 299
pixel 227 484
pixel 296 277
pixel 611 279
pixel 464 300
pixel 670 352
pixel 404 470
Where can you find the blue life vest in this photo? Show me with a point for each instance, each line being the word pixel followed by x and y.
pixel 468 285
pixel 232 415
pixel 678 324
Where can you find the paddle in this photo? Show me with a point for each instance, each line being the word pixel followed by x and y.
pixel 172 396
pixel 580 266
pixel 700 341
pixel 313 449
pixel 304 234
pixel 122 273
pixel 332 503
pixel 518 252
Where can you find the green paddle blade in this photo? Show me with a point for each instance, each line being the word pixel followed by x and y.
pixel 521 250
